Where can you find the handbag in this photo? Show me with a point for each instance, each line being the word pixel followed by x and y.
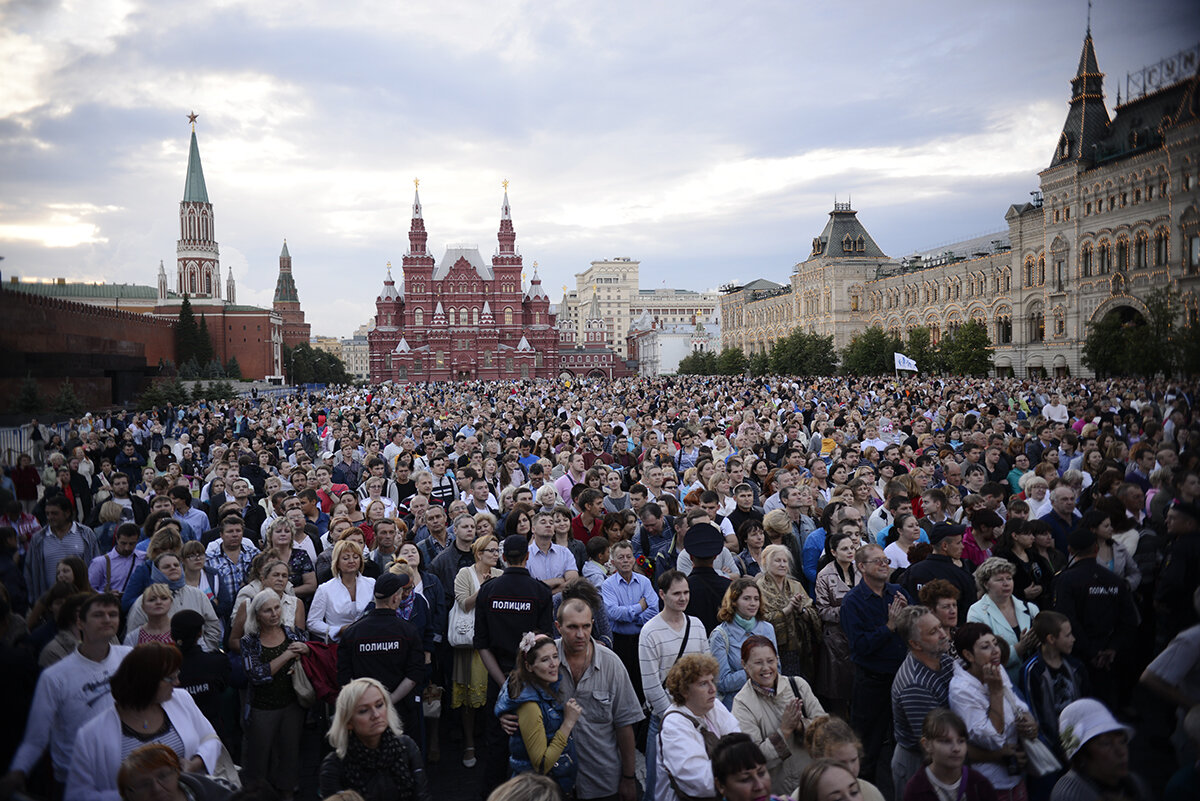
pixel 306 696
pixel 225 769
pixel 1040 759
pixel 461 631
pixel 431 702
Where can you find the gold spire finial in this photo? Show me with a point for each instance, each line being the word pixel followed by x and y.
pixel 389 265
pixel 564 289
pixel 535 265
pixel 522 275
pixel 192 119
pixel 416 183
pixel 504 183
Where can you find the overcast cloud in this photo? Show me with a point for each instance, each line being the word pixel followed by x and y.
pixel 705 139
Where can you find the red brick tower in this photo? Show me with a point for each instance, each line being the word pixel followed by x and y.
pixel 287 303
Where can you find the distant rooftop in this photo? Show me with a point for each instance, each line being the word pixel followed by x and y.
pixel 60 288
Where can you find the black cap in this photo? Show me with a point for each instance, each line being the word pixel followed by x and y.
pixel 1081 539
pixel 703 541
pixel 186 625
pixel 943 530
pixel 389 584
pixel 515 545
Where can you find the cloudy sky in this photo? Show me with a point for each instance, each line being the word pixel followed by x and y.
pixel 707 140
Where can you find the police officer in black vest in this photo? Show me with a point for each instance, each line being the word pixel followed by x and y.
pixel 505 608
pixel 381 645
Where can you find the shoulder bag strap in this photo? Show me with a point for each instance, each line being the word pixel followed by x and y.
pixel 687 635
pixel 107 573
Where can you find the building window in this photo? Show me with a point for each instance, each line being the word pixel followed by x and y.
pixel 1122 254
pixel 439 358
pixel 475 316
pixel 1194 253
pixel 508 316
pixel 1085 261
pixel 1037 327
pixel 1160 248
pixel 1004 331
pixel 1139 252
pixel 419 317
pixel 1104 258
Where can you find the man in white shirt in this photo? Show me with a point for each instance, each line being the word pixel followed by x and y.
pixel 549 563
pixel 871 439
pixel 667 636
pixel 1056 410
pixel 70 693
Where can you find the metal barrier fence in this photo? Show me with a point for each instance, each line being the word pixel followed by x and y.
pixel 15 441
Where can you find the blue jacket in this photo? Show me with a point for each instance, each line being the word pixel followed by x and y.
pixel 726 644
pixel 873 646
pixel 563 771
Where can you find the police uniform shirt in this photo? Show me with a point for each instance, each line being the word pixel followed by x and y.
pixel 382 646
pixel 507 607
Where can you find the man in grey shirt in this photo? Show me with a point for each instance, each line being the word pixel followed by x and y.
pixel 594 676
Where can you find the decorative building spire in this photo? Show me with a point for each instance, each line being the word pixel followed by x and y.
pixel 507 236
pixel 194 189
pixel 486 319
pixel 196 253
pixel 417 237
pixel 230 288
pixel 162 281
pixel 1087 118
pixel 439 315
pixel 594 309
pixel 389 286
pixel 285 285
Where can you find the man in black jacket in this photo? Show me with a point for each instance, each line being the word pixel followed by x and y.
pixel 1102 613
pixel 507 607
pixel 947 542
pixel 380 645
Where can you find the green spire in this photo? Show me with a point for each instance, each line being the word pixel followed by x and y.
pixel 194 189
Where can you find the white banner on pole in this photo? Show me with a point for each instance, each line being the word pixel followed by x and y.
pixel 904 363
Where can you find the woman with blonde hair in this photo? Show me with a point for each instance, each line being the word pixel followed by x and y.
pixel 155 604
pixel 371 754
pixel 469 690
pixel 790 610
pixel 274 718
pixel 167 569
pixel 339 601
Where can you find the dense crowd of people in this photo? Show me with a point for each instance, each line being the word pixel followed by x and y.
pixel 654 590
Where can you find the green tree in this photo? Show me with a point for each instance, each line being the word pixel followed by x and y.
pixel 1104 349
pixel 870 353
pixel 152 396
pixel 759 364
pixel 175 392
pixel 699 362
pixel 731 361
pixel 233 369
pixel 29 397
pixel 968 350
pixel 920 349
pixel 204 343
pixel 309 366
pixel 214 369
pixel 1126 343
pixel 187 333
pixel 67 403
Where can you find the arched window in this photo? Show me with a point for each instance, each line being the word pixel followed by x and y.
pixel 1122 254
pixel 1085 260
pixel 419 317
pixel 508 317
pixel 1160 247
pixel 475 316
pixel 451 317
pixel 1140 248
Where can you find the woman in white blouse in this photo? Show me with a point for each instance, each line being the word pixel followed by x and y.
pixel 340 601
pixel 690 724
pixel 981 694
